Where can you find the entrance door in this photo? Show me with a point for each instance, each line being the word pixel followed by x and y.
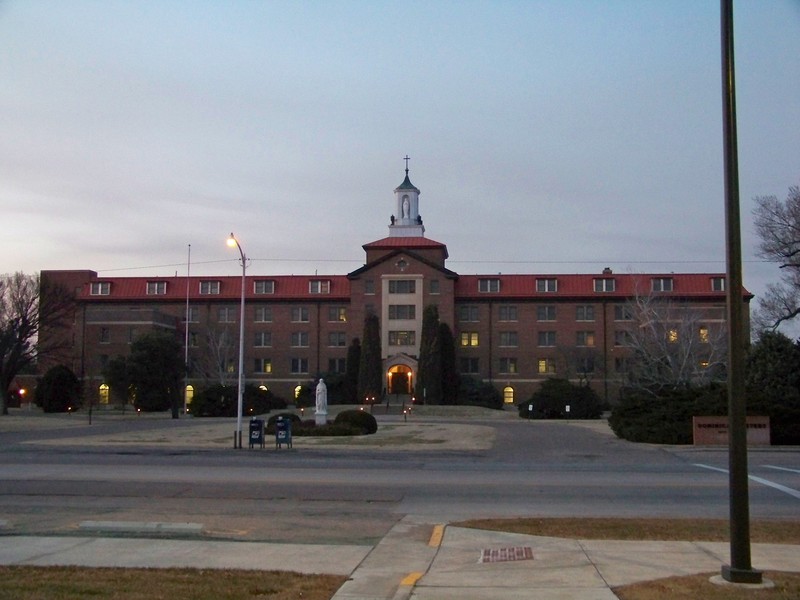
pixel 399 380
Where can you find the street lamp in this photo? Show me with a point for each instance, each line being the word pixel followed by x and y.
pixel 237 437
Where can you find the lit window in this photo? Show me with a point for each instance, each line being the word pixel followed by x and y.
pixel 703 334
pixel 662 284
pixel 402 338
pixel 704 364
pixel 508 339
pixel 337 313
pixel 209 287
pixel 604 284
pixel 469 338
pixel 672 336
pixel 263 314
pixel 488 285
pixel 546 285
pixel 156 288
pixel 546 313
pixel 103 393
pixel 546 366
pixel 402 286
pixel 547 338
pixel 584 312
pixel 319 286
pixel 508 365
pixel 507 312
pixel 263 286
pixel 508 395
pixel 263 365
pixel 101 288
pixel 585 338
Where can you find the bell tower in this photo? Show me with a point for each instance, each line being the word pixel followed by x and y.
pixel 406 220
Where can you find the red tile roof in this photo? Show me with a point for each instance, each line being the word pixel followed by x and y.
pixel 404 242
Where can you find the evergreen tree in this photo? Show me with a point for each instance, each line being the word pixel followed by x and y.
pixel 450 376
pixel 370 370
pixel 156 372
pixel 429 377
pixel 59 390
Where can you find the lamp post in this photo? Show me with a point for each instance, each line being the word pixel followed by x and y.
pixel 237 437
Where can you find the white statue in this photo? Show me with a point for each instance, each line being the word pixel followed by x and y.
pixel 322 398
pixel 406 208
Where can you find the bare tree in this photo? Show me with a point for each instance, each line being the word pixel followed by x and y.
pixel 216 359
pixel 673 344
pixel 777 224
pixel 31 314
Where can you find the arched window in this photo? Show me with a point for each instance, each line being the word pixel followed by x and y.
pixel 508 394
pixel 297 391
pixel 189 394
pixel 103 393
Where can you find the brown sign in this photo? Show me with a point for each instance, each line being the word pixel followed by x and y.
pixel 713 431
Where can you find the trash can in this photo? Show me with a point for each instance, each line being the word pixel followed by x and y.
pixel 256 432
pixel 283 432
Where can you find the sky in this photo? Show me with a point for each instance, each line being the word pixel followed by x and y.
pixel 546 136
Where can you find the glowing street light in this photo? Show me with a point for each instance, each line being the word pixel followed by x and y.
pixel 237 438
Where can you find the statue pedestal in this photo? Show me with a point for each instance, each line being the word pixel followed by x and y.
pixel 321 418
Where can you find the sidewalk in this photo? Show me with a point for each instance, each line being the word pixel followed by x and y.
pixel 420 560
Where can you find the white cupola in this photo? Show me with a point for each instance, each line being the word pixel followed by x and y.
pixel 406 220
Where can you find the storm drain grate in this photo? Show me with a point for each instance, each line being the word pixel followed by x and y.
pixel 491 555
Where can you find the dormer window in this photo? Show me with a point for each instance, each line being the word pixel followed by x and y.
pixel 156 288
pixel 604 284
pixel 319 286
pixel 662 284
pixel 717 284
pixel 264 286
pixel 100 288
pixel 547 285
pixel 489 286
pixel 209 288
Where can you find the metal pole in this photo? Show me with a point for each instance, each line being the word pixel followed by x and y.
pixel 237 440
pixel 186 332
pixel 740 570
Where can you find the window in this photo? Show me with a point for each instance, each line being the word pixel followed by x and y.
pixel 319 286
pixel 672 336
pixel 584 338
pixel 622 338
pixel 508 365
pixel 621 364
pixel 546 313
pixel 718 284
pixel 337 365
pixel 337 338
pixel 402 286
pixel 193 316
pixel 263 314
pixel 662 284
pixel 264 286
pixel 100 288
pixel 299 314
pixel 299 339
pixel 156 288
pixel 263 365
pixel 623 312
pixel 508 395
pixel 469 338
pixel 194 340
pixel 703 334
pixel 402 338
pixel 546 366
pixel 547 285
pixel 434 286
pixel 469 364
pixel 507 312
pixel 547 338
pixel 263 339
pixel 584 312
pixel 585 364
pixel 209 287
pixel 402 311
pixel 508 339
pixel 298 366
pixel 489 285
pixel 337 313
pixel 468 313
pixel 105 335
pixel 226 314
pixel 604 284
pixel 369 286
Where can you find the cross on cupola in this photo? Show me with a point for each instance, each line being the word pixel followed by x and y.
pixel 406 220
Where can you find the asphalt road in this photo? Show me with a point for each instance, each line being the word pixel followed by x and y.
pixel 355 496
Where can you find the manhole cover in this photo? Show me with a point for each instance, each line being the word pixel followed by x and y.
pixel 490 555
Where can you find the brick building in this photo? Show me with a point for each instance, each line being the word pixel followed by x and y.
pixel 511 330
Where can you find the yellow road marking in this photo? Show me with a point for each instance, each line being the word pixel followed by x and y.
pixel 411 578
pixel 436 536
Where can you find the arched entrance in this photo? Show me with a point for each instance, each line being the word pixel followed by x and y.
pixel 399 380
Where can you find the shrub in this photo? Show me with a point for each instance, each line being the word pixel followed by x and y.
pixel 58 390
pixel 221 401
pixel 358 419
pixel 554 395
pixel 474 392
